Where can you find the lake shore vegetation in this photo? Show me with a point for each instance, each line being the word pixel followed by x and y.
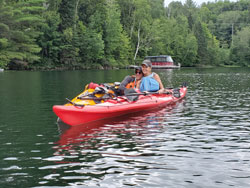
pixel 106 34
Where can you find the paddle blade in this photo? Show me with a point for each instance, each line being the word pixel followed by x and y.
pixel 176 93
pixel 184 84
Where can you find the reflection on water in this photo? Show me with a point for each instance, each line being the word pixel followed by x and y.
pixel 137 121
pixel 202 141
pixel 124 148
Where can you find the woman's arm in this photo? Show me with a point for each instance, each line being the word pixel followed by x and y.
pixel 158 79
pixel 125 82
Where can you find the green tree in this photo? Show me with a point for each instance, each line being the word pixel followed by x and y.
pixel 174 10
pixel 53 5
pixel 116 41
pixel 127 15
pixel 208 46
pixel 227 24
pixel 241 47
pixel 157 8
pixel 93 13
pixel 20 24
pixel 69 52
pixel 142 30
pixel 91 47
pixel 173 37
pixel 200 33
pixel 50 39
pixel 205 14
pixel 67 14
pixel 92 19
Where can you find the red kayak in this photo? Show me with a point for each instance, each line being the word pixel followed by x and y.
pixel 76 115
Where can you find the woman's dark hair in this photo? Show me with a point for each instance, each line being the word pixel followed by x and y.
pixel 138 68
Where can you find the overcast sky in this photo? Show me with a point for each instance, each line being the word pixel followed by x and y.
pixel 198 2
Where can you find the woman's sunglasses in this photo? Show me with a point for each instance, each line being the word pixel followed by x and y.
pixel 138 72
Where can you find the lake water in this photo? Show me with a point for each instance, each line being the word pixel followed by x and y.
pixel 202 141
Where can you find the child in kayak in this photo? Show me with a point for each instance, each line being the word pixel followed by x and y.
pixel 151 81
pixel 133 81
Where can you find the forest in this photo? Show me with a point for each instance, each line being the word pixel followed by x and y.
pixel 106 34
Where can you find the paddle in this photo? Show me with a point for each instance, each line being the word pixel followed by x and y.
pixel 147 93
pixel 74 103
pixel 94 98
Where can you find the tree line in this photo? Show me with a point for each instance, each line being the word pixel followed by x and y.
pixel 85 34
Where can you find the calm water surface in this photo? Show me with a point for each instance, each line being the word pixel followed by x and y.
pixel 202 141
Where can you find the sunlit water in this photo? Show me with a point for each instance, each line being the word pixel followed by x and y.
pixel 202 141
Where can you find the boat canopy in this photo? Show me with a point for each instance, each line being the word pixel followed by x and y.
pixel 160 58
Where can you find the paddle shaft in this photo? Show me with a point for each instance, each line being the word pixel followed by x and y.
pixel 74 103
pixel 147 93
pixel 93 98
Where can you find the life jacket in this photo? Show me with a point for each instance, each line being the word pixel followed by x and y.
pixel 130 85
pixel 150 84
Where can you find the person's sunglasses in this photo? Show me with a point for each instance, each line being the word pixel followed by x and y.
pixel 138 72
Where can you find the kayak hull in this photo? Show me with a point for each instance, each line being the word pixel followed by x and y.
pixel 77 115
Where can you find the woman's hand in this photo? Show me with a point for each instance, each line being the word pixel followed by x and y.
pixel 162 90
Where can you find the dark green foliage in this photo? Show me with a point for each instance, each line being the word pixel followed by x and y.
pixel 157 10
pixel 91 47
pixel 86 34
pixel 202 42
pixel 66 12
pixel 20 28
pixel 50 39
pixel 115 40
pixel 241 47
